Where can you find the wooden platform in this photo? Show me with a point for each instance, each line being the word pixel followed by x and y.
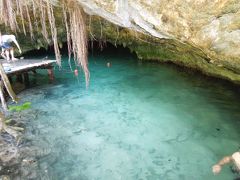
pixel 20 69
pixel 25 65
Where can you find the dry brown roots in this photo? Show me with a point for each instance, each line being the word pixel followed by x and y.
pixel 39 15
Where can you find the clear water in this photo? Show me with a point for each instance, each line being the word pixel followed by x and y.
pixel 135 121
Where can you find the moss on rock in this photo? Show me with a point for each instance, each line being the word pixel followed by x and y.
pixel 148 48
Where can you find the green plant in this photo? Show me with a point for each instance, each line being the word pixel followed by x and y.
pixel 22 107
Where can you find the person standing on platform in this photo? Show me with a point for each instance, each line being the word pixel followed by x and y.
pixel 7 49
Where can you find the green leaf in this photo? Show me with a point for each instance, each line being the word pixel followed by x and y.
pixel 25 106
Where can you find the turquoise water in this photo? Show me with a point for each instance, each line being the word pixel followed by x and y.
pixel 135 121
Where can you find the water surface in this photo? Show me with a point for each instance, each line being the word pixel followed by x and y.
pixel 135 121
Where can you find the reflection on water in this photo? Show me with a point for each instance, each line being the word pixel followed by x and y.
pixel 135 121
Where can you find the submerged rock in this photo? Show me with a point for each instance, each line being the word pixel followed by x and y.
pixel 20 158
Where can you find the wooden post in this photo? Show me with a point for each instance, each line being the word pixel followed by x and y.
pixel 26 78
pixel 19 78
pixel 50 73
pixel 10 79
pixel 7 84
pixel 4 104
pixel 34 71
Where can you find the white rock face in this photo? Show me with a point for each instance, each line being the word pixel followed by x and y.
pixel 213 26
pixel 199 34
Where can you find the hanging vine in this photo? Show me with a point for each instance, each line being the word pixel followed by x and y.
pixel 78 33
pixel 20 12
pixel 41 12
pixel 8 15
pixel 65 21
pixel 53 29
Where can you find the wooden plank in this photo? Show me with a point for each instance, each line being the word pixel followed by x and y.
pixel 25 65
pixel 21 68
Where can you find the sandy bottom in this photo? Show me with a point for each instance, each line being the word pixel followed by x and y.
pixel 135 121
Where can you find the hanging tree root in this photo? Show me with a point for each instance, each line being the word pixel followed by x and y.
pixel 29 16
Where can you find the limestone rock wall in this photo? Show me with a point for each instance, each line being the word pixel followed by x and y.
pixel 209 27
pixel 200 34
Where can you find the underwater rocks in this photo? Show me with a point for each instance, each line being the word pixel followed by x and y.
pixel 23 161
pixel 9 157
pixel 21 157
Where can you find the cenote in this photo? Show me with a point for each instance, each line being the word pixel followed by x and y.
pixel 136 120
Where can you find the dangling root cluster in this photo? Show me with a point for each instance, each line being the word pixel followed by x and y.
pixel 78 34
pixel 39 14
pixel 30 16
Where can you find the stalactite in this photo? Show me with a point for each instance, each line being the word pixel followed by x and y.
pixel 90 28
pixel 92 37
pixel 101 35
pixel 138 38
pixel 116 37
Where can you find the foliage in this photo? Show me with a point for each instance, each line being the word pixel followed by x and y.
pixel 25 106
